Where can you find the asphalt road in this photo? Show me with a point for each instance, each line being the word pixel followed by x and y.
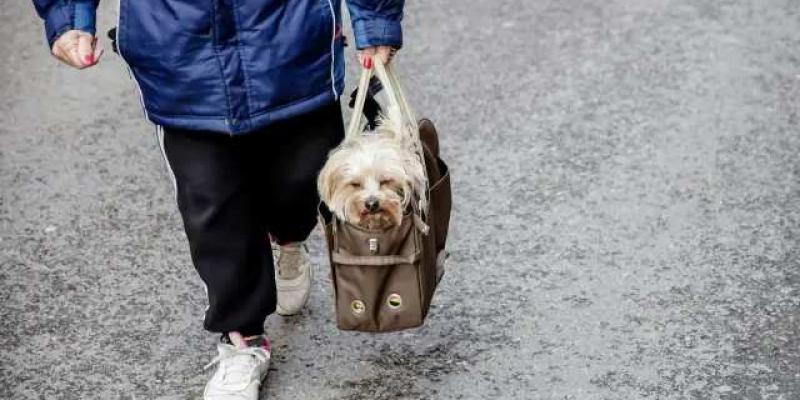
pixel 626 224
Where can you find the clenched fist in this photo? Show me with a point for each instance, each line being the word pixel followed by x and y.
pixel 77 49
pixel 386 53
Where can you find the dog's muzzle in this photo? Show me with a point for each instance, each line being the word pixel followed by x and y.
pixel 372 204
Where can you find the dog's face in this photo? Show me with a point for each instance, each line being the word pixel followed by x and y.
pixel 369 181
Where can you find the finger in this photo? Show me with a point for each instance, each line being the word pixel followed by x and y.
pixel 73 57
pixel 69 47
pixel 365 60
pixel 58 49
pixel 385 53
pixel 86 49
pixel 366 57
pixel 58 53
pixel 66 54
pixel 98 52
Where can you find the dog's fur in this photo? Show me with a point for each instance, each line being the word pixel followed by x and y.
pixel 370 180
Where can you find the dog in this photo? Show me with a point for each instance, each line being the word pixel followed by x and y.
pixel 370 180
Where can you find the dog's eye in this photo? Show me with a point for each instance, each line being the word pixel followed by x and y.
pixel 355 185
pixel 386 182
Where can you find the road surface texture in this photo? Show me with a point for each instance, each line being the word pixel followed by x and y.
pixel 626 223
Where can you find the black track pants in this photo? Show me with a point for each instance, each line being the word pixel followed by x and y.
pixel 234 191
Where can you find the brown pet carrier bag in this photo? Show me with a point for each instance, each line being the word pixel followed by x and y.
pixel 384 281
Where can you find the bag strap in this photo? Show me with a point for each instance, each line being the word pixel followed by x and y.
pixel 394 91
pixel 355 127
pixel 397 101
pixel 374 261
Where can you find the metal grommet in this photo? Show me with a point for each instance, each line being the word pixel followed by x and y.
pixel 394 301
pixel 357 307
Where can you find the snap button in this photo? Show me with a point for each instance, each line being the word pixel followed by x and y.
pixel 357 307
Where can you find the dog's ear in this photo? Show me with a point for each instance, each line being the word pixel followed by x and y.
pixel 407 191
pixel 325 183
pixel 416 174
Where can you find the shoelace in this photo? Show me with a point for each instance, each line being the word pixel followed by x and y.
pixel 238 371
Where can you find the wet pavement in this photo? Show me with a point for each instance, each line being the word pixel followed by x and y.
pixel 626 223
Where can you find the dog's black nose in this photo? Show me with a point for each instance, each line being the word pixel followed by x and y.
pixel 372 204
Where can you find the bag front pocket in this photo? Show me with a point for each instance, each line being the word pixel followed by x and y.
pixel 377 297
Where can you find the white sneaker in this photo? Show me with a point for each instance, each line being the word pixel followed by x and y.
pixel 293 276
pixel 239 374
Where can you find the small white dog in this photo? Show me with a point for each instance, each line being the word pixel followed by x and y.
pixel 370 180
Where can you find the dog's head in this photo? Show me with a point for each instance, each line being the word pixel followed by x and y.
pixel 370 180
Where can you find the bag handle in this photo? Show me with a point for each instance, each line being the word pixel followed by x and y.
pixel 386 73
pixel 397 101
pixel 355 127
pixel 394 91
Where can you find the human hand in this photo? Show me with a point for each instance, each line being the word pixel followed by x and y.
pixel 77 49
pixel 386 53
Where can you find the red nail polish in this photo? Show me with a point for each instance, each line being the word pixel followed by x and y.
pixel 368 63
pixel 88 60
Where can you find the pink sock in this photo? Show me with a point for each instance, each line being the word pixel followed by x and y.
pixel 241 342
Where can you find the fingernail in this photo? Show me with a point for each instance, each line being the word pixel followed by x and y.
pixel 368 63
pixel 88 60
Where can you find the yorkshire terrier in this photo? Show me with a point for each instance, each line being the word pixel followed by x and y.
pixel 370 180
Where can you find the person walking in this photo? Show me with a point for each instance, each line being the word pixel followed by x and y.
pixel 245 96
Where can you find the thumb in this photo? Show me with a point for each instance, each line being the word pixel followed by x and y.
pixel 98 50
pixel 385 53
pixel 86 49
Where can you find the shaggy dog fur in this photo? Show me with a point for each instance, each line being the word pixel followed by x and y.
pixel 370 180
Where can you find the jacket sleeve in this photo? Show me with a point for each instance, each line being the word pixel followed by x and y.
pixel 377 22
pixel 62 15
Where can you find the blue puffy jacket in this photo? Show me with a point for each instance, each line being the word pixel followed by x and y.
pixel 233 66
